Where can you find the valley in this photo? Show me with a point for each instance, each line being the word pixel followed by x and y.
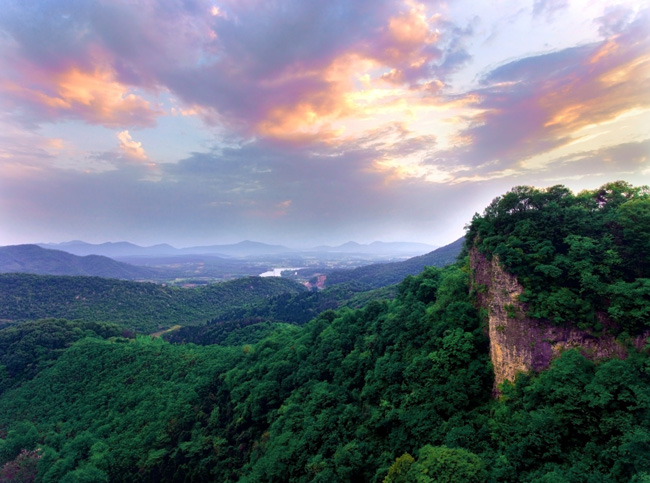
pixel 194 266
pixel 522 356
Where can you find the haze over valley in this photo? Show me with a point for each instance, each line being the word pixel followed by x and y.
pixel 198 265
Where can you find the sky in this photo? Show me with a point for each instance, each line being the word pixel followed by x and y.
pixel 304 122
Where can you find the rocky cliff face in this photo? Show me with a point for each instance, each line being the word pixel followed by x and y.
pixel 519 343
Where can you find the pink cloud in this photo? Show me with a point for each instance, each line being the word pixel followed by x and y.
pixel 536 104
pixel 94 96
pixel 130 148
pixel 261 69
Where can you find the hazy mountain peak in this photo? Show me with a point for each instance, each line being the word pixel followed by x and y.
pixel 43 261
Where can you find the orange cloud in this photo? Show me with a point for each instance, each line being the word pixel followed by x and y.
pixel 291 122
pixel 532 108
pixel 405 44
pixel 94 96
pixel 608 49
pixel 359 82
pixel 410 29
pixel 615 88
pixel 322 99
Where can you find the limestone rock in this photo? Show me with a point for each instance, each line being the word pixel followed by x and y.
pixel 519 343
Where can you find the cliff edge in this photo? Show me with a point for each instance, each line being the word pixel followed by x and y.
pixel 519 343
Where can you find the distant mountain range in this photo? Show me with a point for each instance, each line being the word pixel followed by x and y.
pixel 384 274
pixel 109 249
pixel 38 260
pixel 45 260
pixel 378 248
pixel 126 249
pixel 242 249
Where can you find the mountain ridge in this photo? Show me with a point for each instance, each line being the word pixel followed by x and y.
pixel 382 274
pixel 243 248
pixel 377 247
pixel 43 261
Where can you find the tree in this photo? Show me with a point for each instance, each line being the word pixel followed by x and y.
pixel 438 464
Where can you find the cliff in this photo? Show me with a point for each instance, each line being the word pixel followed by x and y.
pixel 519 343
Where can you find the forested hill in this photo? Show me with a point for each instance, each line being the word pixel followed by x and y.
pixel 579 257
pixel 397 391
pixel 42 261
pixel 30 347
pixel 141 306
pixel 384 274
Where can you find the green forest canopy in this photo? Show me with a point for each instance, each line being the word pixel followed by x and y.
pixel 141 306
pixel 399 390
pixel 576 255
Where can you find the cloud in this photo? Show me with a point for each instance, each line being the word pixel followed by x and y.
pixel 300 71
pixel 342 118
pixel 348 188
pixel 130 148
pixel 614 20
pixel 95 61
pixel 94 97
pixel 548 8
pixel 276 192
pixel 260 190
pixel 537 104
pixel 616 162
pixel 284 70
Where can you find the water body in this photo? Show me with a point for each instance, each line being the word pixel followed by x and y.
pixel 277 272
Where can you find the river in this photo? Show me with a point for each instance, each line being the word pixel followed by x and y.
pixel 277 272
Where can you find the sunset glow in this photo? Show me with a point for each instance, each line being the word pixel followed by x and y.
pixel 297 122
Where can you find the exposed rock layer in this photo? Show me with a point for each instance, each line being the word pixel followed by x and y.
pixel 519 343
